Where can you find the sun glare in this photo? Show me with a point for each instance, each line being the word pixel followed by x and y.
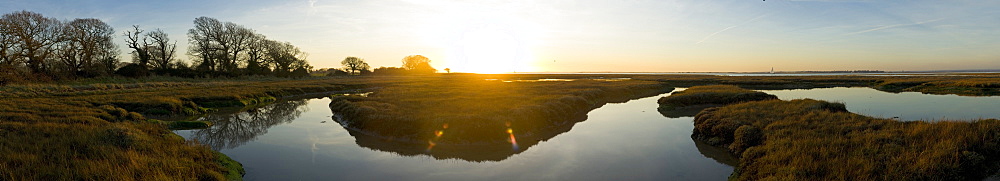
pixel 482 39
pixel 489 51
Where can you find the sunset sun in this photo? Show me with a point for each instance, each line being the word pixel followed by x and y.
pixel 477 40
pixel 488 51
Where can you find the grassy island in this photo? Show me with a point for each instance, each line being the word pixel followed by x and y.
pixel 481 111
pixel 711 95
pixel 817 140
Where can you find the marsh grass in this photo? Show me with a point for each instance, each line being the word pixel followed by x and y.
pixel 471 110
pixel 817 140
pixel 711 95
pixel 985 84
pixel 101 131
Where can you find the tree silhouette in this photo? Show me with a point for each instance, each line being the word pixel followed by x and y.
pixel 354 65
pixel 87 43
pixel 35 38
pixel 139 44
pixel 162 50
pixel 418 64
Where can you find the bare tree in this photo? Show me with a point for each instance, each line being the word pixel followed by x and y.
pixel 162 50
pixel 87 45
pixel 238 39
pixel 204 42
pixel 418 63
pixel 6 44
pixel 255 55
pixel 285 57
pixel 35 36
pixel 354 64
pixel 139 44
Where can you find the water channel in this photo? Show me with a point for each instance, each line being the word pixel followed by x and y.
pixel 299 140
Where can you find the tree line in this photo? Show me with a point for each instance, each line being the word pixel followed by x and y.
pixel 413 64
pixel 38 48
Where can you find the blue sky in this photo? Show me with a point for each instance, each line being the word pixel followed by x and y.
pixel 571 36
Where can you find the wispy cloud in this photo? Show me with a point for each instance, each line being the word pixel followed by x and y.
pixel 893 26
pixel 731 27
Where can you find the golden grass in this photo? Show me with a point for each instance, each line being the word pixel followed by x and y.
pixel 98 129
pixel 817 140
pixel 712 95
pixel 101 131
pixel 471 110
pixel 962 84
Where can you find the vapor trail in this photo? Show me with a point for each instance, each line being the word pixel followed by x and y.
pixel 731 27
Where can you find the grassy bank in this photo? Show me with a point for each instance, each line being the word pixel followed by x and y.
pixel 102 131
pixel 959 84
pixel 480 112
pixel 817 140
pixel 711 95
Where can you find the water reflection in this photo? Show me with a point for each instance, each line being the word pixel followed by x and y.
pixel 906 106
pixel 233 130
pixel 468 152
pixel 687 111
pixel 719 154
pixel 618 141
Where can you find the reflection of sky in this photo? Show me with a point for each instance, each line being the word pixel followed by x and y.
pixel 630 141
pixel 619 141
pixel 906 105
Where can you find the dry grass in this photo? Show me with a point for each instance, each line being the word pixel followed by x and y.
pixel 98 129
pixel 817 140
pixel 101 132
pixel 711 94
pixel 963 84
pixel 471 110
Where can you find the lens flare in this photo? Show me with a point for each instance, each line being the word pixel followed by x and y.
pixel 430 145
pixel 437 136
pixel 513 140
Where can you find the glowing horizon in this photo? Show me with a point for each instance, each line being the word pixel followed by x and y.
pixel 592 36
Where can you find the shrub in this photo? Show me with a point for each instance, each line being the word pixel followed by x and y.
pixel 133 70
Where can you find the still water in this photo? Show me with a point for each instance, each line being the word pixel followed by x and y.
pixel 298 140
pixel 906 106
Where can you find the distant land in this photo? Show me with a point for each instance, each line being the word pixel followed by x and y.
pixel 787 72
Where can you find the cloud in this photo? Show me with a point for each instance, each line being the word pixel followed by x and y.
pixel 731 27
pixel 893 26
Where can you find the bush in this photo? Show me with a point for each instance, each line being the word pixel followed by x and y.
pixel 133 70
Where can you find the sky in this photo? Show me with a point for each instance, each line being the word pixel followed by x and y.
pixel 491 36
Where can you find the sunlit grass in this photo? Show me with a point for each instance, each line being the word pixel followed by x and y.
pixel 101 131
pixel 711 94
pixel 817 140
pixel 481 111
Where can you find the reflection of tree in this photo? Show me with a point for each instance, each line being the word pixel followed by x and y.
pixel 472 151
pixel 232 130
pixel 719 154
pixel 688 111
